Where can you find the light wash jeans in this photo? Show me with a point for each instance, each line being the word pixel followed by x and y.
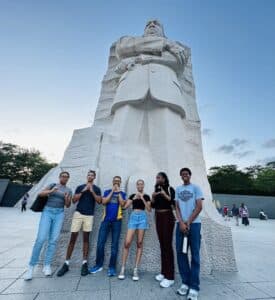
pixel 49 230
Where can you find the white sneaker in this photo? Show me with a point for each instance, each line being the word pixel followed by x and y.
pixel 28 274
pixel 165 283
pixel 159 277
pixel 47 270
pixel 192 295
pixel 135 275
pixel 121 276
pixel 183 290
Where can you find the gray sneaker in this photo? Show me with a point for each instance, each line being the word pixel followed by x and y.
pixel 28 274
pixel 183 290
pixel 47 270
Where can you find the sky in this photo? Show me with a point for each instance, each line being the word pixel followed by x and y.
pixel 53 56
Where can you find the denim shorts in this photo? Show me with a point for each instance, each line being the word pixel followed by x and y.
pixel 138 220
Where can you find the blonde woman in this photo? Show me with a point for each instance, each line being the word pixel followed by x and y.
pixel 137 224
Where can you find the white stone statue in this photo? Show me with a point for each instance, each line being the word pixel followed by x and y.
pixel 154 65
pixel 146 121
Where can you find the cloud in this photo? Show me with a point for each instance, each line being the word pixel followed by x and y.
pixel 238 142
pixel 206 131
pixel 226 149
pixel 266 160
pixel 243 154
pixel 269 143
pixel 234 148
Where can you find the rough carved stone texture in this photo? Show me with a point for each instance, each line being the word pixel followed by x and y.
pixel 146 121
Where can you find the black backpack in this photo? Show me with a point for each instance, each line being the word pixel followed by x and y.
pixel 40 201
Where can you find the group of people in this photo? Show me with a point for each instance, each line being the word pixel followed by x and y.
pixel 237 213
pixel 183 204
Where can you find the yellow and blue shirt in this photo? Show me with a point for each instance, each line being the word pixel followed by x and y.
pixel 113 210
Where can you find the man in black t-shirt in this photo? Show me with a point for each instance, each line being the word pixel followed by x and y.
pixel 86 195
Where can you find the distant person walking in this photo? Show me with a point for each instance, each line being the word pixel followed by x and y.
pixel 244 214
pixel 235 213
pixel 226 213
pixel 24 202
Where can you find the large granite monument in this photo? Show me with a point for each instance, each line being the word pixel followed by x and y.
pixel 146 121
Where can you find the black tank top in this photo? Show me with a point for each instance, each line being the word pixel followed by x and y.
pixel 138 203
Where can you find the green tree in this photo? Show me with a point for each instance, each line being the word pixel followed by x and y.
pixel 253 180
pixel 228 179
pixel 253 171
pixel 22 165
pixel 265 181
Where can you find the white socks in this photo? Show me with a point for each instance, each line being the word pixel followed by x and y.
pixel 84 262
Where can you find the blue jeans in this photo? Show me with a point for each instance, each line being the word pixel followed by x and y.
pixel 190 275
pixel 49 230
pixel 105 228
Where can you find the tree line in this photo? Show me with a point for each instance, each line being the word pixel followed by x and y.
pixel 253 180
pixel 18 164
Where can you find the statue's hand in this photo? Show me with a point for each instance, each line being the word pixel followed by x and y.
pixel 121 68
pixel 177 51
pixel 125 65
pixel 179 54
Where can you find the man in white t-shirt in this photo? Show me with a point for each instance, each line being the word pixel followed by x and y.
pixel 188 207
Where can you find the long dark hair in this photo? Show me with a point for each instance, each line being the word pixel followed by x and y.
pixel 165 185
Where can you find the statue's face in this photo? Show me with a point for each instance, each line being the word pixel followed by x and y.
pixel 153 27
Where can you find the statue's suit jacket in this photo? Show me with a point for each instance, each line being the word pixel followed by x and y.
pixel 155 78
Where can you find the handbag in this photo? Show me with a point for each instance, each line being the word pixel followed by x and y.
pixel 40 202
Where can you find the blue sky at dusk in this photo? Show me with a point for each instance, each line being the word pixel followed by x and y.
pixel 53 56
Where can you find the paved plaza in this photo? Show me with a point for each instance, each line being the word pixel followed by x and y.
pixel 254 249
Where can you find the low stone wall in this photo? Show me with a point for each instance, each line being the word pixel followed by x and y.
pixel 253 203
